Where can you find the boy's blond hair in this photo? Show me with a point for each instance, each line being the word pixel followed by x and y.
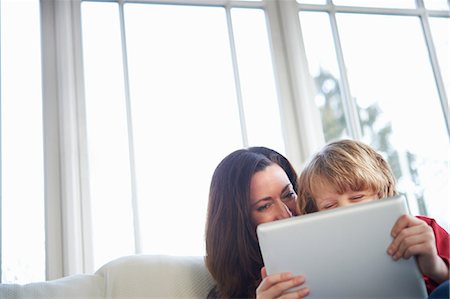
pixel 347 165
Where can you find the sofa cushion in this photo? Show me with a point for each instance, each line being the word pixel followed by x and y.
pixel 162 276
pixel 70 287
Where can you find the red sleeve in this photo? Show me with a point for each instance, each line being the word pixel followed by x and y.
pixel 442 246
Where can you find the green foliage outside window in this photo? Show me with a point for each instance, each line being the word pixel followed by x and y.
pixel 335 126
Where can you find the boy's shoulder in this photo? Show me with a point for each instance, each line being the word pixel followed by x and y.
pixel 430 221
pixel 442 246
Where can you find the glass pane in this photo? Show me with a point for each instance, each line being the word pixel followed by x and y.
pixel 436 4
pixel 323 67
pixel 440 31
pixel 185 118
pixel 262 114
pixel 378 3
pixel 107 133
pixel 392 81
pixel 23 226
pixel 312 1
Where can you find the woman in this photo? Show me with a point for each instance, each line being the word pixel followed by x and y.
pixel 249 187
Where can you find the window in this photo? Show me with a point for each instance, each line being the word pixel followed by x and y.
pixel 121 125
pixel 375 81
pixel 170 90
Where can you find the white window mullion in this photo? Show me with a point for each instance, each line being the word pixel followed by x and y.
pixel 349 105
pixel 301 117
pixel 85 199
pixel 434 62
pixel 67 224
pixel 53 218
pixel 237 80
pixel 134 193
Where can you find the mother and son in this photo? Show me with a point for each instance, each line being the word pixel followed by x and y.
pixel 258 185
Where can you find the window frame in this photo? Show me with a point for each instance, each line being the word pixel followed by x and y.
pixel 420 11
pixel 67 203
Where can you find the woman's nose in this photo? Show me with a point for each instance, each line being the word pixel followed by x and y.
pixel 283 211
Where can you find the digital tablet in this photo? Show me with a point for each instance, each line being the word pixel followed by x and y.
pixel 343 252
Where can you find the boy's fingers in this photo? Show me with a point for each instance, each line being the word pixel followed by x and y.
pixel 406 249
pixel 403 222
pixel 420 234
pixel 396 243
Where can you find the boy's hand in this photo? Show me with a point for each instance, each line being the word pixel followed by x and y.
pixel 414 237
pixel 276 285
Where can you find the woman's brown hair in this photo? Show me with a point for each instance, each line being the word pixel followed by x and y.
pixel 233 256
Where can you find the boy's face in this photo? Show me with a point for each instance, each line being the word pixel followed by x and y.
pixel 326 197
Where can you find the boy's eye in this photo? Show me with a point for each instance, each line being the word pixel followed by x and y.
pixel 357 197
pixel 329 206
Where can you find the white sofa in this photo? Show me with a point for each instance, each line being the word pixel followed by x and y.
pixel 130 277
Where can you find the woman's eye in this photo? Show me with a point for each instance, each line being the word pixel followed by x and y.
pixel 290 196
pixel 263 207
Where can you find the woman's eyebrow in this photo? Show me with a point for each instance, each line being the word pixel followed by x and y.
pixel 262 199
pixel 270 198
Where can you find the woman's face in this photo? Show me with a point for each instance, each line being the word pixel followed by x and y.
pixel 272 196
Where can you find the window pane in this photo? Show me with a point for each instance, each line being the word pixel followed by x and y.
pixel 392 81
pixel 312 1
pixel 262 114
pixel 436 4
pixel 107 133
pixel 185 118
pixel 440 30
pixel 378 3
pixel 323 67
pixel 22 173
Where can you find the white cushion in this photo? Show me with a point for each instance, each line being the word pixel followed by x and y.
pixel 162 276
pixel 130 277
pixel 70 287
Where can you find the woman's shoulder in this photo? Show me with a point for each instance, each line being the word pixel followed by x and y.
pixel 213 293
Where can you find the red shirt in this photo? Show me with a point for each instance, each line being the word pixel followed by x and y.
pixel 442 246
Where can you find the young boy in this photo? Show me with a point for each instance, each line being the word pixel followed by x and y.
pixel 349 172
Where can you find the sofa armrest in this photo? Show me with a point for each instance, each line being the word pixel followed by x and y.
pixel 70 287
pixel 162 276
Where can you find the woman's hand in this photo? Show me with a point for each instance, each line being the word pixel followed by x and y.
pixel 414 237
pixel 276 286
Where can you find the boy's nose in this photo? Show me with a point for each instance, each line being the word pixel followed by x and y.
pixel 344 202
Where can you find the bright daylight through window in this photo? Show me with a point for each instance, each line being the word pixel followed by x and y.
pixel 22 174
pixel 377 68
